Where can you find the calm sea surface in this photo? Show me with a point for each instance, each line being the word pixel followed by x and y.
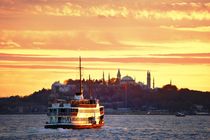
pixel 116 127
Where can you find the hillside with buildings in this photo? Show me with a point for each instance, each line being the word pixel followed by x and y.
pixel 118 95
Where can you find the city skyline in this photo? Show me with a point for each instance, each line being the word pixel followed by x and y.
pixel 40 42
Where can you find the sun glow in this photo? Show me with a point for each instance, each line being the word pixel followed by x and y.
pixel 40 42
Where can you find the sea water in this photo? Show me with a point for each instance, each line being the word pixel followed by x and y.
pixel 120 127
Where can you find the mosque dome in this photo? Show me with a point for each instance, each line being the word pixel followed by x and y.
pixel 127 78
pixel 56 84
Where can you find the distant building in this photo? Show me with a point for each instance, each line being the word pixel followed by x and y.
pixel 118 75
pixel 148 80
pixel 142 85
pixel 103 79
pixel 170 87
pixel 57 87
pixel 118 79
pixel 127 80
pixel 153 85
pixel 109 79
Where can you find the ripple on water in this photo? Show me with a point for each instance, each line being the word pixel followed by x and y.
pixel 117 127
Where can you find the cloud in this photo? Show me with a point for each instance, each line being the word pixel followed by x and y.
pixel 7 2
pixel 9 45
pixel 189 55
pixel 54 15
pixel 35 67
pixel 194 29
pixel 22 55
pixel 124 9
pixel 170 59
pixel 172 15
pixel 66 40
pixel 104 42
pixel 39 43
pixel 100 25
pixel 57 67
pixel 107 10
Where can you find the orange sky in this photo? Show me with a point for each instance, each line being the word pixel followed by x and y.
pixel 40 41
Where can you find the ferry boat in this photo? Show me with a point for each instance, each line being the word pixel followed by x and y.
pixel 78 113
pixel 180 114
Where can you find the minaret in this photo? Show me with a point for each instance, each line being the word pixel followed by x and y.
pixel 109 80
pixel 103 78
pixel 148 80
pixel 118 75
pixel 153 86
pixel 90 88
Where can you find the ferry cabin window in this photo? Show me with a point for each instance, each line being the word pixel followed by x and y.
pixel 59 119
pixel 63 110
pixel 52 110
pixel 102 117
pixel 74 110
pixel 52 119
pixel 101 109
pixel 92 102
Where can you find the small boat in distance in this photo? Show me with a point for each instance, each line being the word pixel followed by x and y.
pixel 78 113
pixel 180 114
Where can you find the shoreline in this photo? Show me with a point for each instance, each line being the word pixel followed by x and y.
pixel 122 113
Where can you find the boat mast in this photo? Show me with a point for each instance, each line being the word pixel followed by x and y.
pixel 90 87
pixel 80 75
pixel 79 94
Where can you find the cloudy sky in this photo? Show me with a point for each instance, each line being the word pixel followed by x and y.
pixel 40 41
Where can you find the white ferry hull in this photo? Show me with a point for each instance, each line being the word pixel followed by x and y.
pixel 78 113
pixel 83 116
pixel 70 126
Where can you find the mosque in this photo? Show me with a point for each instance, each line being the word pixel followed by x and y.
pixel 131 81
pixel 126 80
